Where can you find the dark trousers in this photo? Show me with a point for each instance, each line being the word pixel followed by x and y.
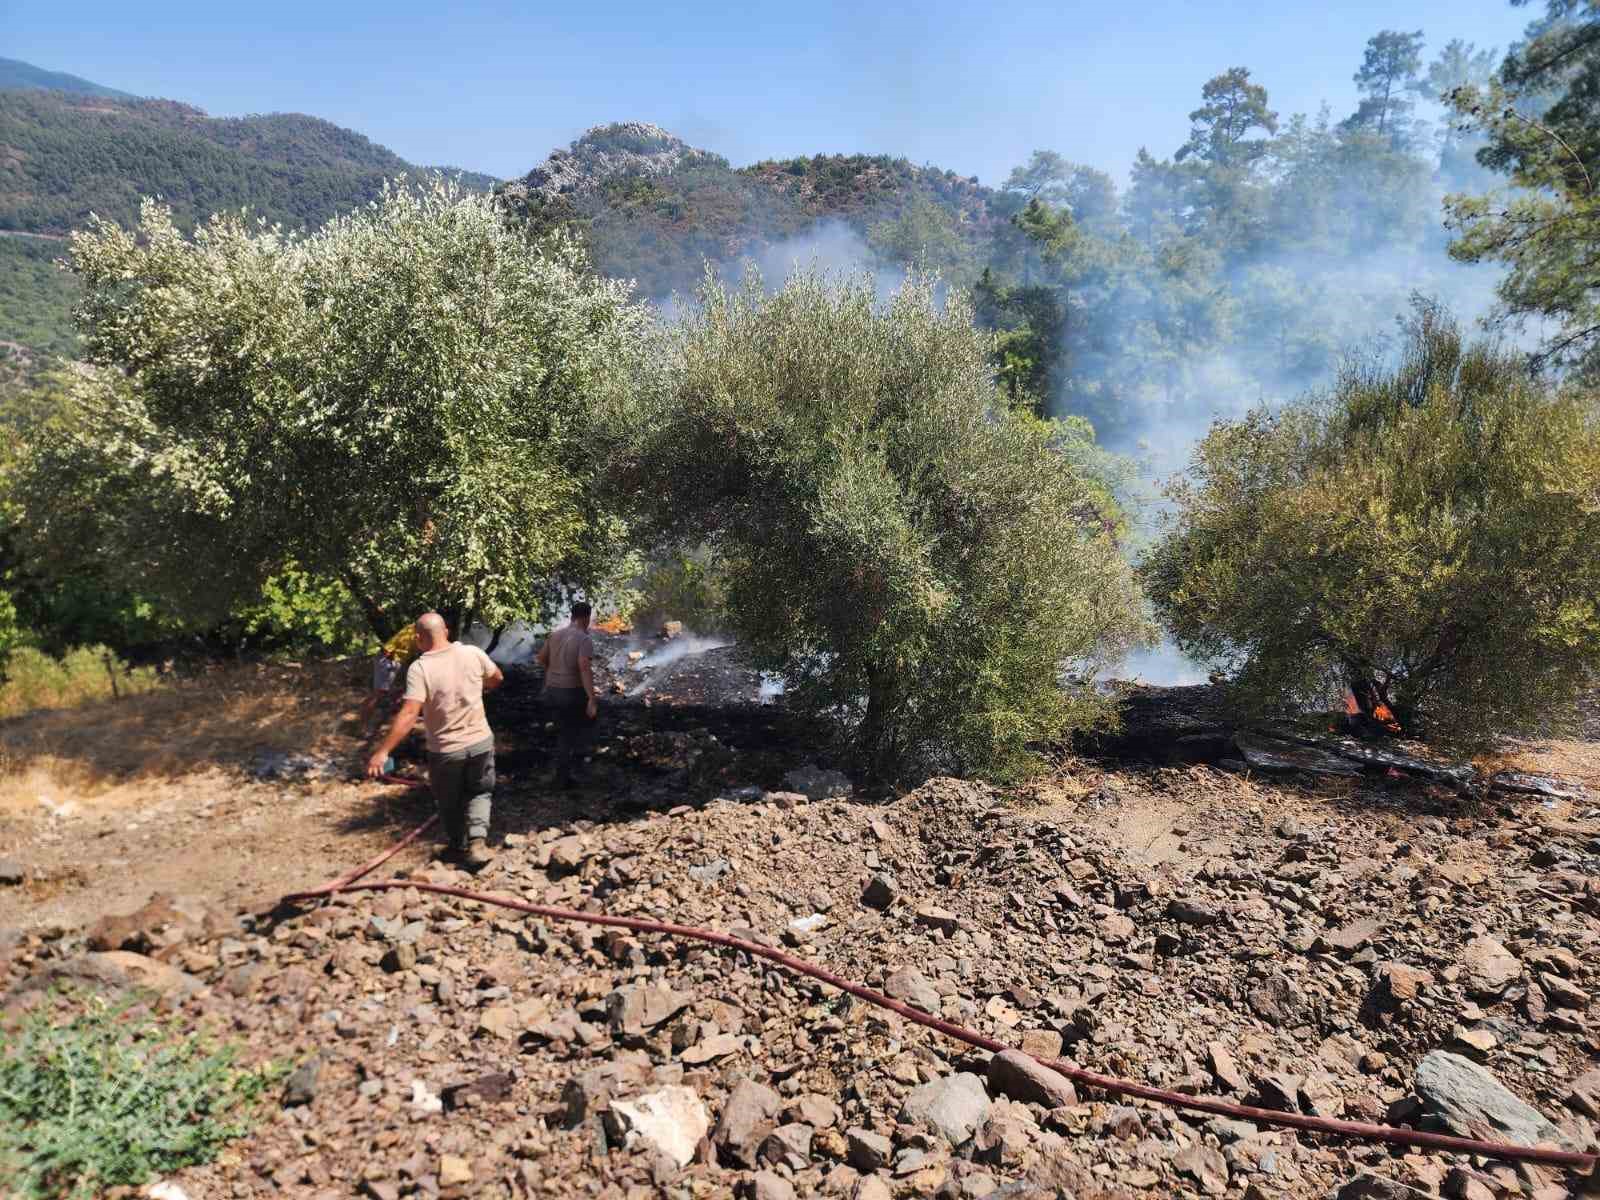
pixel 462 783
pixel 569 708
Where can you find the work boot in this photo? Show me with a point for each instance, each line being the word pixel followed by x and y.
pixel 478 854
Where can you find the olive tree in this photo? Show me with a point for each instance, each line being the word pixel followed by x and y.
pixel 911 556
pixel 1428 530
pixel 402 400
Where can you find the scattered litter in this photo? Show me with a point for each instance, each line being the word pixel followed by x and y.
pixel 712 871
pixel 423 1100
pixel 291 765
pixel 808 924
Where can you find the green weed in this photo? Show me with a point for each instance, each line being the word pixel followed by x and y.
pixel 112 1096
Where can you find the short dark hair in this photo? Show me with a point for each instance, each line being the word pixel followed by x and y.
pixel 581 610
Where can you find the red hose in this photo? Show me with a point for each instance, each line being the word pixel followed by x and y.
pixel 350 877
pixel 1393 1134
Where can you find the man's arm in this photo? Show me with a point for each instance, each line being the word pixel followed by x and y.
pixel 543 657
pixel 586 673
pixel 404 721
pixel 493 678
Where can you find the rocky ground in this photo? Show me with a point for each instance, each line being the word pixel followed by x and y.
pixel 1369 947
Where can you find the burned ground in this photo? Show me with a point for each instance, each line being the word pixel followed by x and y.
pixel 1305 942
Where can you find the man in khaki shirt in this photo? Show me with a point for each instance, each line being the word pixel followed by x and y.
pixel 445 686
pixel 567 656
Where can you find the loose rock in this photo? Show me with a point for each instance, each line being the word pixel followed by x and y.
pixel 1014 1074
pixel 672 1120
pixel 1470 1102
pixel 955 1105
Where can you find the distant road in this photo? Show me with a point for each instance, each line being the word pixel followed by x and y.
pixel 46 237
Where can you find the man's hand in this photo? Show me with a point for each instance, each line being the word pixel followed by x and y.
pixel 403 721
pixel 593 710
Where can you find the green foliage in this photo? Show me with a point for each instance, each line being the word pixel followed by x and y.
pixel 11 632
pixel 660 230
pixel 913 557
pixel 298 610
pixel 1219 128
pixel 36 297
pixel 924 235
pixel 1387 79
pixel 73 155
pixel 30 679
pixel 1430 527
pixel 1541 118
pixel 402 401
pixel 111 1098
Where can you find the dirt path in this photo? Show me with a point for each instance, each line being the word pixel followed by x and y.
pixel 233 844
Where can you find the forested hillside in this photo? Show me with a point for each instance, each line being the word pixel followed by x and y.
pixel 67 154
pixel 655 210
pixel 17 74
pixel 1242 265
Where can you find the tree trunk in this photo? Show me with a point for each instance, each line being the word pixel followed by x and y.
pixel 454 613
pixel 379 621
pixel 1374 712
pixel 875 728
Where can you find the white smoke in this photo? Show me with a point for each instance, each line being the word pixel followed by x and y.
pixel 519 642
pixel 830 246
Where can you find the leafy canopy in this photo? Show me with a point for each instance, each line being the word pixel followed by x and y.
pixel 914 558
pixel 1541 117
pixel 1432 527
pixel 401 401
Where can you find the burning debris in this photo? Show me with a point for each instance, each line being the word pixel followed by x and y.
pixel 1367 711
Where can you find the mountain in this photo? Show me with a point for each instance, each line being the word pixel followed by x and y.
pixel 17 74
pixel 651 207
pixel 66 154
pixel 654 208
pixel 63 156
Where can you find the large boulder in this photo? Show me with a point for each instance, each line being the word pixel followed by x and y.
pixel 1490 967
pixel 749 1115
pixel 1469 1101
pixel 815 783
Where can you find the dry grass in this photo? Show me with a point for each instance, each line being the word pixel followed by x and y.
pixel 123 751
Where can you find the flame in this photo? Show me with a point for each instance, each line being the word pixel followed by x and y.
pixel 1385 717
pixel 1381 712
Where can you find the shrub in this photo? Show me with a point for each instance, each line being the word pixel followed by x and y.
pixel 30 679
pixel 109 1098
pixel 400 401
pixel 915 559
pixel 1430 529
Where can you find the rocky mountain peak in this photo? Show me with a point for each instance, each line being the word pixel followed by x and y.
pixel 604 152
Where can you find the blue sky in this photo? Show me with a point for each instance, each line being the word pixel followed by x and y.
pixel 495 87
